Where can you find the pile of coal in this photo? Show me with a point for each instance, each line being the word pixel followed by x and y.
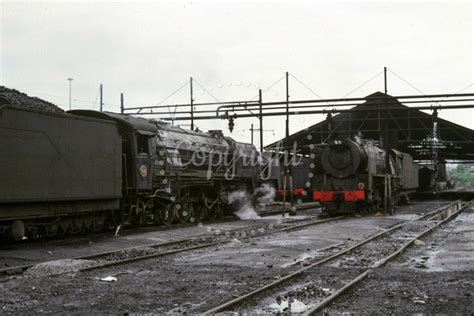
pixel 18 99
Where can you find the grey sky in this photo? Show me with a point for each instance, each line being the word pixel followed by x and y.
pixel 147 50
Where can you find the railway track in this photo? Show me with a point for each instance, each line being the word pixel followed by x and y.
pixel 272 210
pixel 278 209
pixel 215 238
pixel 314 287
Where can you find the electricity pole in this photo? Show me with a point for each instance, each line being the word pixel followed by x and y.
pixel 252 130
pixel 251 133
pixel 70 81
pixel 192 102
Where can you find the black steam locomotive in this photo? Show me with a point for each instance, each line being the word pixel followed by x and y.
pixel 70 172
pixel 350 176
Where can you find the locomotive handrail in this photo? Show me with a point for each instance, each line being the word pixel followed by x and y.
pixel 124 156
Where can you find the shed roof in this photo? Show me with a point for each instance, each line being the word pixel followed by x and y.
pixel 409 130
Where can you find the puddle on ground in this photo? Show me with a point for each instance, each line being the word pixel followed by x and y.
pixel 284 306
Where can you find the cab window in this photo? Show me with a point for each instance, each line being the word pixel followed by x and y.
pixel 142 144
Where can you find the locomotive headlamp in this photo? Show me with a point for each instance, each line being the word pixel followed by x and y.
pixel 360 185
pixel 143 171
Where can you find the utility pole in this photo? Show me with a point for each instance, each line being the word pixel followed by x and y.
pixel 192 103
pixel 287 170
pixel 287 126
pixel 252 130
pixel 121 103
pixel 101 92
pixel 388 179
pixel 251 133
pixel 70 81
pixel 260 118
pixel 434 149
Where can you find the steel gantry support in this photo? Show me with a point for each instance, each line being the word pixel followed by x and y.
pixel 260 117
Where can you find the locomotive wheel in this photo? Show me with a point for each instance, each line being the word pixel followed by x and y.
pixel 200 212
pixel 51 230
pixel 167 213
pixel 88 223
pixel 137 212
pixel 183 212
pixel 98 223
pixel 17 230
pixel 216 211
pixel 156 213
pixel 76 226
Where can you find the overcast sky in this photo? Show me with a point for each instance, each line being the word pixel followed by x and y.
pixel 148 50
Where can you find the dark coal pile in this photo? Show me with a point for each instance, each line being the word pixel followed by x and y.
pixel 18 99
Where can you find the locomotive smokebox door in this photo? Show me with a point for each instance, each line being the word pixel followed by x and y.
pixel 144 170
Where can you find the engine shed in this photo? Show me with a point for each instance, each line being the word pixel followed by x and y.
pixel 426 137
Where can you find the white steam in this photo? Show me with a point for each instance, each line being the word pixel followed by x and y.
pixel 245 202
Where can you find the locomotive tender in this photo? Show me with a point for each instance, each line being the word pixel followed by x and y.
pixel 349 176
pixel 71 172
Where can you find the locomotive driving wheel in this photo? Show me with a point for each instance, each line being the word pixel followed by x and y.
pixel 166 213
pixel 216 211
pixel 183 212
pixel 199 212
pixel 17 230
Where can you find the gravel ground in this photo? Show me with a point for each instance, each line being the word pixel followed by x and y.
pixel 192 281
pixel 435 277
pixel 398 291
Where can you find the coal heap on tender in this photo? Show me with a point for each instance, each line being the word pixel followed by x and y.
pixel 18 99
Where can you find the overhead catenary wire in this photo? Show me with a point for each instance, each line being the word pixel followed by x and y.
pixel 306 86
pixel 258 94
pixel 406 81
pixel 96 98
pixel 169 96
pixel 207 91
pixel 267 88
pixel 412 85
pixel 363 84
pixel 354 90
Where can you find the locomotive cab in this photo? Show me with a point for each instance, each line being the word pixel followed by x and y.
pixel 138 150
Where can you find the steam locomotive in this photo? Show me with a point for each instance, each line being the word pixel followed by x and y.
pixel 349 176
pixel 70 172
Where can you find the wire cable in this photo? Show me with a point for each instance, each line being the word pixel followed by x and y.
pixel 173 93
pixel 267 88
pixel 406 81
pixel 304 85
pixel 207 91
pixel 307 87
pixel 96 98
pixel 169 96
pixel 352 91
